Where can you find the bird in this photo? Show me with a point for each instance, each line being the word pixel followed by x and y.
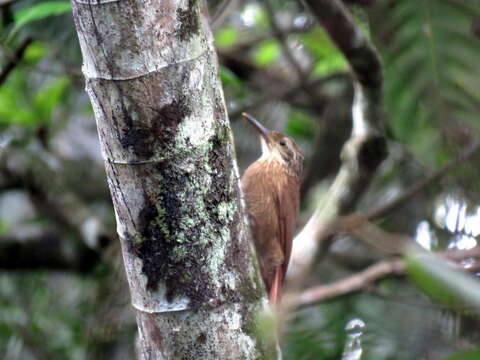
pixel 271 187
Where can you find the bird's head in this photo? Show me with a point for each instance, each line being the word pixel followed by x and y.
pixel 278 147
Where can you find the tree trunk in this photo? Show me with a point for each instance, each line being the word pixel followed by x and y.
pixel 151 74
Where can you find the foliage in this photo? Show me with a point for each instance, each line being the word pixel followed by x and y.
pixel 40 11
pixel 37 12
pixel 465 355
pixel 225 37
pixel 432 82
pixel 442 282
pixel 18 107
pixel 431 68
pixel 266 52
pixel 327 58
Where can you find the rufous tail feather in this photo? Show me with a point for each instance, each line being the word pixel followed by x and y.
pixel 276 289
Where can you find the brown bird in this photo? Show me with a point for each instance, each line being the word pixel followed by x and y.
pixel 271 187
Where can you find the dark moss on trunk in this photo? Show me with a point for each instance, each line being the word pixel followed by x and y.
pixel 181 265
pixel 189 21
pixel 163 128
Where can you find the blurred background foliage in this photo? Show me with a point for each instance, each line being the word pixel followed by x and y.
pixel 62 290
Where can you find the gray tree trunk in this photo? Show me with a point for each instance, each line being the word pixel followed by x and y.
pixel 151 74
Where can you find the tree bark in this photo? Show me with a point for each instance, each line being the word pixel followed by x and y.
pixel 151 74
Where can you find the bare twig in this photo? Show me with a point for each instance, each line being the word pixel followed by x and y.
pixel 363 280
pixel 358 51
pixel 476 27
pixel 247 40
pixel 422 184
pixel 366 148
pixel 287 94
pixel 46 252
pixel 282 39
pixel 222 13
pixel 404 300
pixel 14 59
pixel 350 284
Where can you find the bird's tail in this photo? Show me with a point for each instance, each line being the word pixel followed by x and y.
pixel 275 293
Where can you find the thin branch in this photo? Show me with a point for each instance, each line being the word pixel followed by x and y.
pixel 377 292
pixel 282 39
pixel 363 280
pixel 288 94
pixel 14 59
pixel 223 11
pixel 347 36
pixel 350 284
pixel 360 226
pixel 391 243
pixel 475 28
pixel 247 40
pixel 422 184
pixel 366 148
pixel 46 252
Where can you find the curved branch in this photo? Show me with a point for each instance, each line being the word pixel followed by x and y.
pixel 367 277
pixel 46 252
pixel 347 36
pixel 15 59
pixel 422 184
pixel 350 284
pixel 366 148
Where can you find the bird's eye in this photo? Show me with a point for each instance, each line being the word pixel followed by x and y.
pixel 282 142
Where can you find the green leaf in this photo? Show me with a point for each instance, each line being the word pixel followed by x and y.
pixel 40 11
pixel 431 65
pixel 327 57
pixel 442 282
pixel 3 227
pixel 34 52
pixel 329 65
pixel 11 108
pixel 465 355
pixel 300 125
pixel 48 98
pixel 226 37
pixel 228 77
pixel 266 53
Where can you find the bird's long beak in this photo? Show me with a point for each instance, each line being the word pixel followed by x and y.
pixel 259 127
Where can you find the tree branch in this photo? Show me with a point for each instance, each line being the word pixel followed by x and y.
pixel 366 148
pixel 351 283
pixel 347 36
pixel 14 59
pixel 247 40
pixel 223 11
pixel 422 184
pixel 366 278
pixel 46 252
pixel 282 39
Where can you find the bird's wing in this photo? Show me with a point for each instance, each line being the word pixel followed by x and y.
pixel 258 186
pixel 287 217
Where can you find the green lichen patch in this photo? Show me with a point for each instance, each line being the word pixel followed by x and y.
pixel 189 229
pixel 189 21
pixel 170 226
